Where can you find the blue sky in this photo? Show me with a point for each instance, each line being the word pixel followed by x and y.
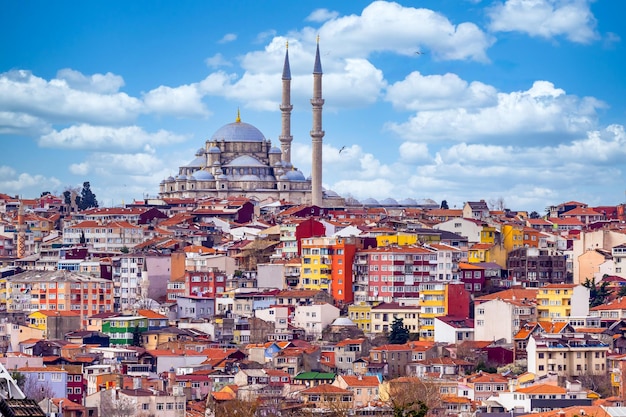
pixel 519 99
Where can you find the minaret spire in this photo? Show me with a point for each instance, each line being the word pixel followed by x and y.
pixel 285 137
pixel 317 134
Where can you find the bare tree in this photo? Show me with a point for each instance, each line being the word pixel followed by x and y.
pixel 230 408
pixel 497 204
pixel 404 391
pixel 114 405
pixel 37 390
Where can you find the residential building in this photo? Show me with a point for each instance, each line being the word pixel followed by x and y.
pixel 55 323
pixel 533 267
pixel 314 318
pixel 556 301
pixel 59 290
pixel 122 330
pixel 451 330
pixel 440 299
pixel 567 355
pixel 513 307
pixel 383 315
pixel 364 388
pixel 389 273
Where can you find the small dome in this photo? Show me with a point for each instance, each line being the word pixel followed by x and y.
pixel 214 149
pixel 275 150
pixel 283 177
pixel 389 202
pixel 238 132
pixel 200 152
pixel 295 175
pixel 343 321
pixel 170 178
pixel 287 165
pixel 222 177
pixel 191 178
pixel 408 202
pixel 203 175
pixel 330 193
pixel 181 177
pixel 370 202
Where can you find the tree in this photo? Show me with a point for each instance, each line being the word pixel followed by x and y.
pixel 45 193
pixel 114 405
pixel 87 197
pixel 598 295
pixel 534 215
pixel 622 291
pixel 136 336
pixel 37 390
pixel 413 397
pixel 230 408
pixel 497 204
pixel 399 334
pixel 67 197
pixel 19 379
pixel 444 204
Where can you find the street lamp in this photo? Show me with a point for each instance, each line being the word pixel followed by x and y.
pixel 60 408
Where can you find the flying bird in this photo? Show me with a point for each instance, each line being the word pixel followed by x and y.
pixel 342 148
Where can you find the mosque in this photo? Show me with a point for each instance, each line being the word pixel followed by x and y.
pixel 239 161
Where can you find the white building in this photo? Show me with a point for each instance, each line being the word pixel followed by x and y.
pixel 468 228
pixel 499 319
pixel 453 329
pixel 314 318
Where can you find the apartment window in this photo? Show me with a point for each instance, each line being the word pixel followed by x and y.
pixel 159 406
pixel 145 406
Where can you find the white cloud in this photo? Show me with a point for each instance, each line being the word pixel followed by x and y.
pixel 229 37
pixel 539 112
pixel 104 137
pixel 21 124
pixel 217 61
pixel 387 26
pixel 413 152
pixel 322 15
pixel 96 83
pixel 182 101
pixel 81 169
pixel 572 19
pixel 25 183
pixel 435 92
pixel 56 101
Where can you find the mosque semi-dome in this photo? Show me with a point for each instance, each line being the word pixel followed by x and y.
pixel 238 132
pixel 203 175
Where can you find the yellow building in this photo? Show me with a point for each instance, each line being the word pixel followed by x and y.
pixel 316 270
pixel 555 301
pixel 400 239
pixel 440 299
pixel 512 237
pixel 360 315
pixel 487 252
pixel 384 314
pixel 488 234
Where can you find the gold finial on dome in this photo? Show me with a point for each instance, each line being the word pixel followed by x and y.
pixel 286 44
pixel 238 119
pixel 318 39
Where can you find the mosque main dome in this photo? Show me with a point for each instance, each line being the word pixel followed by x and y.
pixel 238 132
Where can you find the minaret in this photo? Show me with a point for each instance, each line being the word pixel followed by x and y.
pixel 317 134
pixel 285 108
